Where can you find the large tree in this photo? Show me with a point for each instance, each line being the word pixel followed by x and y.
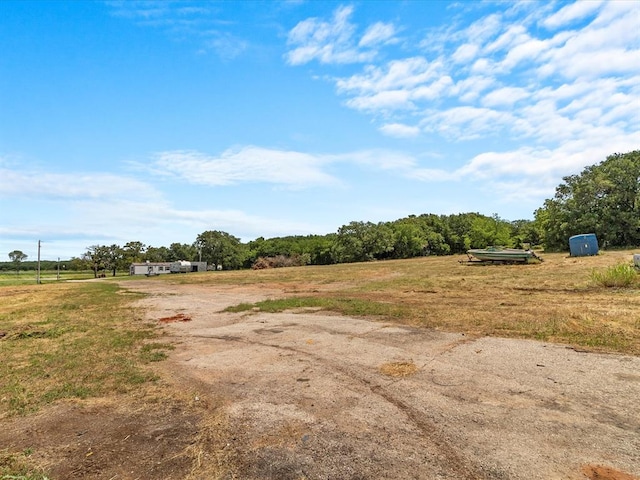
pixel 97 257
pixel 490 231
pixel 17 257
pixel 220 248
pixel 604 199
pixel 183 251
pixel 364 241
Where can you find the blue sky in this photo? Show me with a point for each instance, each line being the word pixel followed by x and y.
pixel 155 121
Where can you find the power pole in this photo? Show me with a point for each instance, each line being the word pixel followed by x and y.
pixel 58 268
pixel 38 275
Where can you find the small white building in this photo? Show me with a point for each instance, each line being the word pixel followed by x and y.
pixel 150 268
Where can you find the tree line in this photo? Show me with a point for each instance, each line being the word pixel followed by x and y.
pixel 604 199
pixel 358 241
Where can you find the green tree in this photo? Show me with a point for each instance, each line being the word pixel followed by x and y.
pixel 221 248
pixel 364 241
pixel 133 252
pixel 17 257
pixel 604 199
pixel 114 258
pixel 183 251
pixel 526 233
pixel 487 231
pixel 157 254
pixel 409 240
pixel 97 257
pixel 77 264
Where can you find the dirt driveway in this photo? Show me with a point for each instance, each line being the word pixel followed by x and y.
pixel 311 395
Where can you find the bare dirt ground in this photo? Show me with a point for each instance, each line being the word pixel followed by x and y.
pixel 310 395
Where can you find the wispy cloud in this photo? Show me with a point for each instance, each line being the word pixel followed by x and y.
pixel 29 182
pixel 247 164
pixel 561 81
pixel 294 170
pixel 336 40
pixel 201 23
pixel 571 13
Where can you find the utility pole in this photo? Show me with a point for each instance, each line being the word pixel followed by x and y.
pixel 38 275
pixel 58 268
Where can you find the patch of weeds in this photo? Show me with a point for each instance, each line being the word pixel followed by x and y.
pixel 16 466
pixel 67 390
pixel 155 352
pixel 621 275
pixel 241 307
pixel 29 331
pixel 347 306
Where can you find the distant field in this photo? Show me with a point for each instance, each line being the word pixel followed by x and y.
pixel 28 277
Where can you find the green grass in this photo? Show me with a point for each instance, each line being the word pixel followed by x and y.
pixel 621 275
pixel 155 352
pixel 344 305
pixel 71 340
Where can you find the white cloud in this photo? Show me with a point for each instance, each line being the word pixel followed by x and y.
pixel 334 41
pixel 400 130
pixel 387 100
pixel 465 53
pixel 484 29
pixel 466 123
pixel 513 35
pixel 539 164
pixel 555 93
pixel 246 164
pixel 470 88
pixel 378 33
pixel 396 85
pixel 572 12
pixel 27 182
pixel 505 96
pixel 406 73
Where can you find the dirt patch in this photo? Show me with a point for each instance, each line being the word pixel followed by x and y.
pixel 312 395
pixel 180 317
pixel 598 472
pixel 96 440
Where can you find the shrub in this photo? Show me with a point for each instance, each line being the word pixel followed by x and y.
pixel 280 261
pixel 620 275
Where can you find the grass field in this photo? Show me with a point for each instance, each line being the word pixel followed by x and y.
pixel 70 340
pixel 66 339
pixel 79 340
pixel 559 300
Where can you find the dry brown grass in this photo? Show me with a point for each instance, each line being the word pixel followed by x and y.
pixel 398 369
pixel 554 301
pixel 68 341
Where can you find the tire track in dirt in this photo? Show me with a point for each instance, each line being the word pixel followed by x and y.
pixel 441 448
